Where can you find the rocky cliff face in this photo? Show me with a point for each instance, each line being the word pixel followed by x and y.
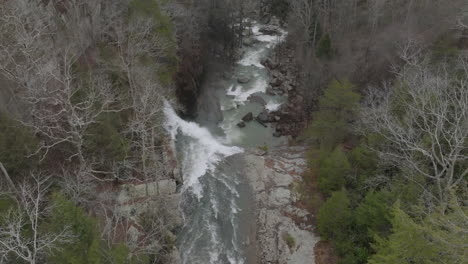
pixel 159 196
pixel 284 233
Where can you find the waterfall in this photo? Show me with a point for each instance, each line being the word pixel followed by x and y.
pixel 217 200
pixel 202 151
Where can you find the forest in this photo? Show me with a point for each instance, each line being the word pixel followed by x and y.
pixel 88 173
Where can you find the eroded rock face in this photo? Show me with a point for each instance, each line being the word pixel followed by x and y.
pixel 135 198
pixel 272 178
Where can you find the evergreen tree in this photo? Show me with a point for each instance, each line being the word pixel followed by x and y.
pixel 332 171
pixel 333 219
pixel 437 238
pixel 338 108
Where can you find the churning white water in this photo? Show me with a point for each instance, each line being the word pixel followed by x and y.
pixel 201 154
pixel 217 203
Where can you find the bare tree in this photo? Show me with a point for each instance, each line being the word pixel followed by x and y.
pixel 424 121
pixel 20 232
pixel 305 12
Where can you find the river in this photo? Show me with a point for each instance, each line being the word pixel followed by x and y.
pixel 217 201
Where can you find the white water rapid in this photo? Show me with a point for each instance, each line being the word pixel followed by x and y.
pixel 216 201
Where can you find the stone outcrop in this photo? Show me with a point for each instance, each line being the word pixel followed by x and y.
pixel 290 119
pixel 133 199
pixel 284 230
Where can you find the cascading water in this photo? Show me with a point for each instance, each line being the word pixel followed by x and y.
pixel 216 199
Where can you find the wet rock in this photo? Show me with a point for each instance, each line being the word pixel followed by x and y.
pixel 277 134
pixel 276 82
pixel 270 91
pixel 248 42
pixel 277 75
pixel 277 118
pixel 257 99
pixel 269 30
pixel 263 117
pixel 269 63
pixel 243 79
pixel 241 124
pixel 261 122
pixel 248 117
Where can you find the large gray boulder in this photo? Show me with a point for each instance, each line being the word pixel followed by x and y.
pixel 257 99
pixel 243 79
pixel 264 117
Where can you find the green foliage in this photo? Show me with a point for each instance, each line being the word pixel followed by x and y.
pixel 86 246
pixel 17 142
pixel 263 148
pixel 338 106
pixel 332 171
pixel 439 238
pixel 104 137
pixel 333 219
pixel 324 47
pixel 164 28
pixel 373 213
pixel 340 96
pixel 290 241
pixel 364 163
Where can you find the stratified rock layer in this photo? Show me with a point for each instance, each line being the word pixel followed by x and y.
pixel 284 234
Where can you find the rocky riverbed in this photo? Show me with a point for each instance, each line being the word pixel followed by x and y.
pixel 283 231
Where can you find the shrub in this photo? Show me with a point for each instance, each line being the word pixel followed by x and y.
pixel 263 148
pixel 290 241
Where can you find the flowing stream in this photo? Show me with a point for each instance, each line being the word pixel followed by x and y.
pixel 217 201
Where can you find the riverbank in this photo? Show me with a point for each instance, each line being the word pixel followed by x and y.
pixel 284 231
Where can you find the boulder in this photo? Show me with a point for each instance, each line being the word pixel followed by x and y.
pixel 248 42
pixel 241 124
pixel 264 117
pixel 248 117
pixel 276 82
pixel 256 99
pixel 269 30
pixel 270 91
pixel 243 79
pixel 260 122
pixel 269 63
pixel 277 134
